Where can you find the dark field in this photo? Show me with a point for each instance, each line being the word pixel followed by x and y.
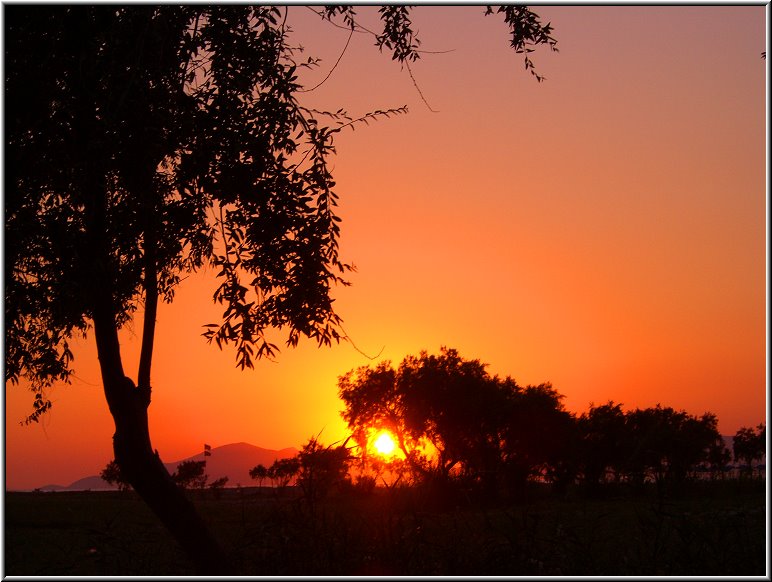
pixel 706 529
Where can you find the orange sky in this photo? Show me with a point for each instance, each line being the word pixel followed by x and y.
pixel 604 230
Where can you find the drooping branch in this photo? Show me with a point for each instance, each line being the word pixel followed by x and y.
pixel 335 66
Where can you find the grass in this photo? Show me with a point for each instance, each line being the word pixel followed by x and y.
pixel 706 529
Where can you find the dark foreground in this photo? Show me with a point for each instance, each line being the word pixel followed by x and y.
pixel 705 529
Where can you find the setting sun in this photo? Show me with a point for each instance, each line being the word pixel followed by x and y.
pixel 384 444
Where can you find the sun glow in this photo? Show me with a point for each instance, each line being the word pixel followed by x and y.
pixel 384 444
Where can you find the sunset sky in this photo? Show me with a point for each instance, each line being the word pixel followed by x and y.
pixel 604 230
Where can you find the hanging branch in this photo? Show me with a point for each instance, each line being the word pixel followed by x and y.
pixel 417 88
pixel 343 52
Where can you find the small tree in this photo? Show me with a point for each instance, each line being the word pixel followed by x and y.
pixel 112 474
pixel 321 468
pixel 282 471
pixel 190 474
pixel 603 440
pixel 259 474
pixel 219 483
pixel 217 486
pixel 750 445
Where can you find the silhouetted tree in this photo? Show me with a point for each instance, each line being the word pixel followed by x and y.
pixel 750 445
pixel 282 471
pixel 429 400
pixel 218 485
pixel 667 443
pixel 144 142
pixel 453 403
pixel 112 475
pixel 476 426
pixel 718 460
pixel 373 401
pixel 259 474
pixel 191 474
pixel 538 435
pixel 698 439
pixel 603 442
pixel 321 468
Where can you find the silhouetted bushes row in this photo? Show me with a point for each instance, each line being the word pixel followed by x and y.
pixel 456 425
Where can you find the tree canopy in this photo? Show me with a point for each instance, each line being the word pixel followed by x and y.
pixel 146 142
pixel 750 444
pixel 191 474
pixel 449 415
pixel 171 140
pixel 112 475
pixel 454 421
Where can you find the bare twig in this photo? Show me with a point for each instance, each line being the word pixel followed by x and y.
pixel 347 337
pixel 415 84
pixel 343 52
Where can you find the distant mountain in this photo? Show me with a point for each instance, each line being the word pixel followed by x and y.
pixel 51 488
pixel 91 483
pixel 233 461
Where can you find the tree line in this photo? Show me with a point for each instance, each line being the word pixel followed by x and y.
pixel 456 425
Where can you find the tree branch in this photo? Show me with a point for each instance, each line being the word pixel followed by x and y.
pixel 150 284
pixel 343 52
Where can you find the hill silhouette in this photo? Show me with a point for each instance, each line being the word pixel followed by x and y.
pixel 233 461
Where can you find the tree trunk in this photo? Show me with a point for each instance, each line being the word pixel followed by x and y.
pixel 141 466
pixel 150 479
pixel 139 463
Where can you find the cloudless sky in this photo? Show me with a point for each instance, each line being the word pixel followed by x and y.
pixel 604 231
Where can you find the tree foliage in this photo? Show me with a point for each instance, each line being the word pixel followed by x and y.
pixel 658 444
pixel 259 473
pixel 282 471
pixel 750 444
pixel 321 468
pixel 453 421
pixel 527 32
pixel 604 442
pixel 112 475
pixel 197 152
pixel 667 442
pixel 538 435
pixel 191 474
pixel 147 142
pixel 219 483
pixel 451 417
